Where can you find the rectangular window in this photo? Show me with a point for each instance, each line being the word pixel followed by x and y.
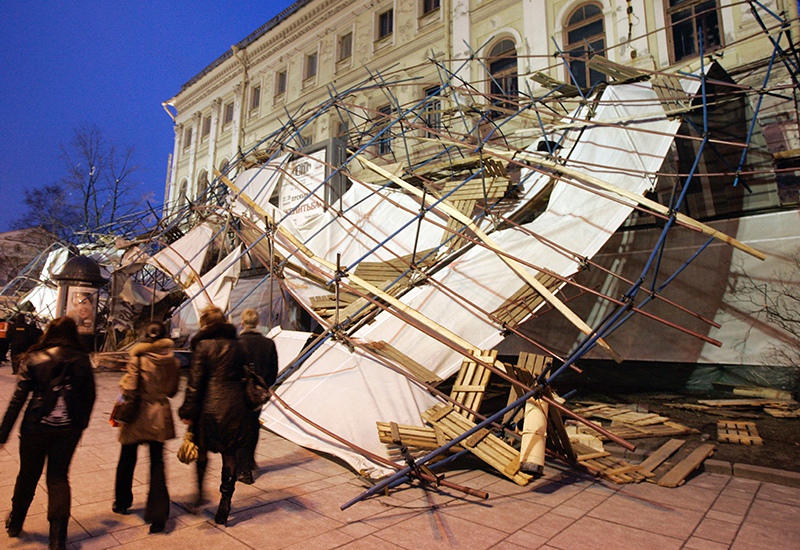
pixel 384 132
pixel 689 21
pixel 345 46
pixel 429 6
pixel 432 114
pixel 280 83
pixel 187 138
pixel 206 127
pixel 227 114
pixel 255 97
pixel 311 66
pixel 385 24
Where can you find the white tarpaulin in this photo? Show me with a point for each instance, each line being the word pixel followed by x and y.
pixel 184 258
pixel 478 280
pixel 215 286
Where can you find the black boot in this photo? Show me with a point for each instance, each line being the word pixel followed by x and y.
pixel 223 510
pixel 58 533
pixel 226 489
pixel 14 523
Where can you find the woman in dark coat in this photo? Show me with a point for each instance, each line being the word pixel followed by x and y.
pixel 153 372
pixel 58 374
pixel 214 406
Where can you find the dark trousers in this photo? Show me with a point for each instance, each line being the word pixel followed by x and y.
pixel 57 447
pixel 228 482
pixel 157 507
pixel 246 456
pixel 16 361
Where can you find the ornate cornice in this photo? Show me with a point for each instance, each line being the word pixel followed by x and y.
pixel 299 24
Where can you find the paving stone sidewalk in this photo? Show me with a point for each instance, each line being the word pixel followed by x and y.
pixel 296 498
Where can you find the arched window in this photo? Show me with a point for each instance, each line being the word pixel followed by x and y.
pixel 202 184
pixel 585 35
pixel 182 199
pixel 503 87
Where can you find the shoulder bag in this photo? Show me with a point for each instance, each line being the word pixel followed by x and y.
pixel 127 405
pixel 255 388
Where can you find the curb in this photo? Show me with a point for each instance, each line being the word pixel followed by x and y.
pixel 749 471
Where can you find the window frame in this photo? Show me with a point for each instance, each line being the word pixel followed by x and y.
pixel 431 113
pixel 384 144
pixel 681 5
pixel 281 84
pixel 228 108
pixel 340 58
pixel 187 137
pixel 589 77
pixel 501 94
pixel 205 131
pixel 255 97
pixel 310 61
pixel 427 7
pixel 380 19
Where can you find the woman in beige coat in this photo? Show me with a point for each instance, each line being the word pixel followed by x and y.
pixel 153 372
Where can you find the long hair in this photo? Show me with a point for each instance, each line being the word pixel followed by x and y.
pixel 211 315
pixel 60 332
pixel 154 330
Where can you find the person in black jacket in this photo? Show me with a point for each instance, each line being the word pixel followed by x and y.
pixel 21 335
pixel 58 374
pixel 214 406
pixel 261 353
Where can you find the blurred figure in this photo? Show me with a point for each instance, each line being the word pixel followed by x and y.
pixel 3 341
pixel 153 372
pixel 214 406
pixel 261 353
pixel 58 373
pixel 21 335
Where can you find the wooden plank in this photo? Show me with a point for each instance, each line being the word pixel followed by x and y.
pixel 682 469
pixel 742 402
pixel 661 454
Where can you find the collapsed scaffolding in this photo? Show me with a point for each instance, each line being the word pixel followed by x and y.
pixel 424 234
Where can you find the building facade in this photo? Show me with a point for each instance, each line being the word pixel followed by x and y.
pixel 498 48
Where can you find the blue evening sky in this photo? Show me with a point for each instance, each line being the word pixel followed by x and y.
pixel 108 63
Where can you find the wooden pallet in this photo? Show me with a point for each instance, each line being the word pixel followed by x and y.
pixel 614 469
pixel 677 475
pixel 529 365
pixel 584 452
pixel 471 382
pixel 476 189
pixel 743 433
pixel 397 270
pixel 623 415
pixel 660 455
pixel 417 437
pixel 525 301
pixel 418 371
pixel 491 449
pixel 629 431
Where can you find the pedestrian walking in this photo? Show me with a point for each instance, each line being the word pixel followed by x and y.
pixel 58 374
pixel 214 406
pixel 263 356
pixel 153 374
pixel 21 335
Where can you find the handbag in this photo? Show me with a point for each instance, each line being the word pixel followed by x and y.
pixel 187 453
pixel 255 388
pixel 127 405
